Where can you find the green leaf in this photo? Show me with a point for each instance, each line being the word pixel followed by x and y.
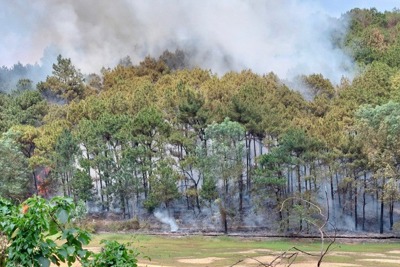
pixel 63 254
pixel 53 228
pixel 70 250
pixel 82 253
pixel 44 262
pixel 62 216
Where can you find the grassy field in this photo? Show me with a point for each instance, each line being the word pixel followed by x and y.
pixel 241 252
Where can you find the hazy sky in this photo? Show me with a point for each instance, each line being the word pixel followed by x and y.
pixel 338 7
pixel 288 37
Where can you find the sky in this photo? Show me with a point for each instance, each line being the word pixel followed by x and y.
pixel 338 7
pixel 287 37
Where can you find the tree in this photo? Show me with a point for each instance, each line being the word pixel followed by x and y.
pixel 163 185
pixel 66 83
pixel 66 149
pixel 321 92
pixel 26 107
pixel 81 186
pixel 24 137
pixel 226 151
pixel 150 131
pixel 303 150
pixel 380 126
pixel 15 175
pixel 270 180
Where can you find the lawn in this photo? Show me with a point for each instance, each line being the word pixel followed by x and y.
pixel 240 252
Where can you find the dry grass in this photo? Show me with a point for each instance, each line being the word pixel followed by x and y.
pixel 228 251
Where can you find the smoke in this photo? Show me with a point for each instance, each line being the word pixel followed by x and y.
pixel 164 217
pixel 288 37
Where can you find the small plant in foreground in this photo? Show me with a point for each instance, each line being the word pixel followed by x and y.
pixel 38 233
pixel 114 254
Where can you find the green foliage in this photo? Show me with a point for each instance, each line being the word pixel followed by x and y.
pixel 38 234
pixel 114 254
pixel 32 229
pixel 65 84
pixel 139 131
pixel 15 175
pixel 270 173
pixel 164 184
pixel 25 107
pixel 82 186
pixel 373 36
pixel 297 143
pixel 209 190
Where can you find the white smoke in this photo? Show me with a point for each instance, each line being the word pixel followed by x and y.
pixel 288 37
pixel 164 217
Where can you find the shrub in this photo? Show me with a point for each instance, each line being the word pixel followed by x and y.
pixel 39 232
pixel 128 225
pixel 113 254
pixel 32 228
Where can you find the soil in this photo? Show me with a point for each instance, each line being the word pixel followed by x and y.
pixel 200 260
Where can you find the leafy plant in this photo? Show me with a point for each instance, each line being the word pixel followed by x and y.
pixel 33 228
pixel 38 232
pixel 114 254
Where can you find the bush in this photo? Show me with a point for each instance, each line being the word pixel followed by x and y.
pixel 128 225
pixel 32 228
pixel 40 232
pixel 113 254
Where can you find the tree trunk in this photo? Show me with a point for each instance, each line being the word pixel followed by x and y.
pixel 197 196
pixel 35 183
pixel 364 201
pixel 331 182
pixel 248 162
pixel 255 152
pixel 337 186
pixel 381 216
pixel 355 202
pixel 101 190
pixel 391 209
pixel 298 178
pixel 299 189
pixel 241 193
pixel 224 220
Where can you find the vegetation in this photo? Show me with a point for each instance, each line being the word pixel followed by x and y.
pixel 226 251
pixel 158 134
pixel 39 232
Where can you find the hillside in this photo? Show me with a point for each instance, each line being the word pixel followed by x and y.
pixel 165 138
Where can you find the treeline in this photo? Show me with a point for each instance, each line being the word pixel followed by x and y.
pixel 160 133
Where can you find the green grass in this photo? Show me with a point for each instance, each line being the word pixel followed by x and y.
pixel 167 251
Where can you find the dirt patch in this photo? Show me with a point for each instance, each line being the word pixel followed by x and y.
pixel 200 260
pixel 254 251
pixel 151 265
pixel 374 255
pixel 257 260
pixel 397 261
pixel 269 259
pixel 330 264
pixel 349 254
pixel 394 251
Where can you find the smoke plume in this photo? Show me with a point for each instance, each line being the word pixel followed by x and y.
pixel 288 37
pixel 164 217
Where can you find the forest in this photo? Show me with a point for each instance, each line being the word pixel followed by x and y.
pixel 241 149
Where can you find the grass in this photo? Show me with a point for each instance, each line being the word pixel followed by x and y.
pixel 177 251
